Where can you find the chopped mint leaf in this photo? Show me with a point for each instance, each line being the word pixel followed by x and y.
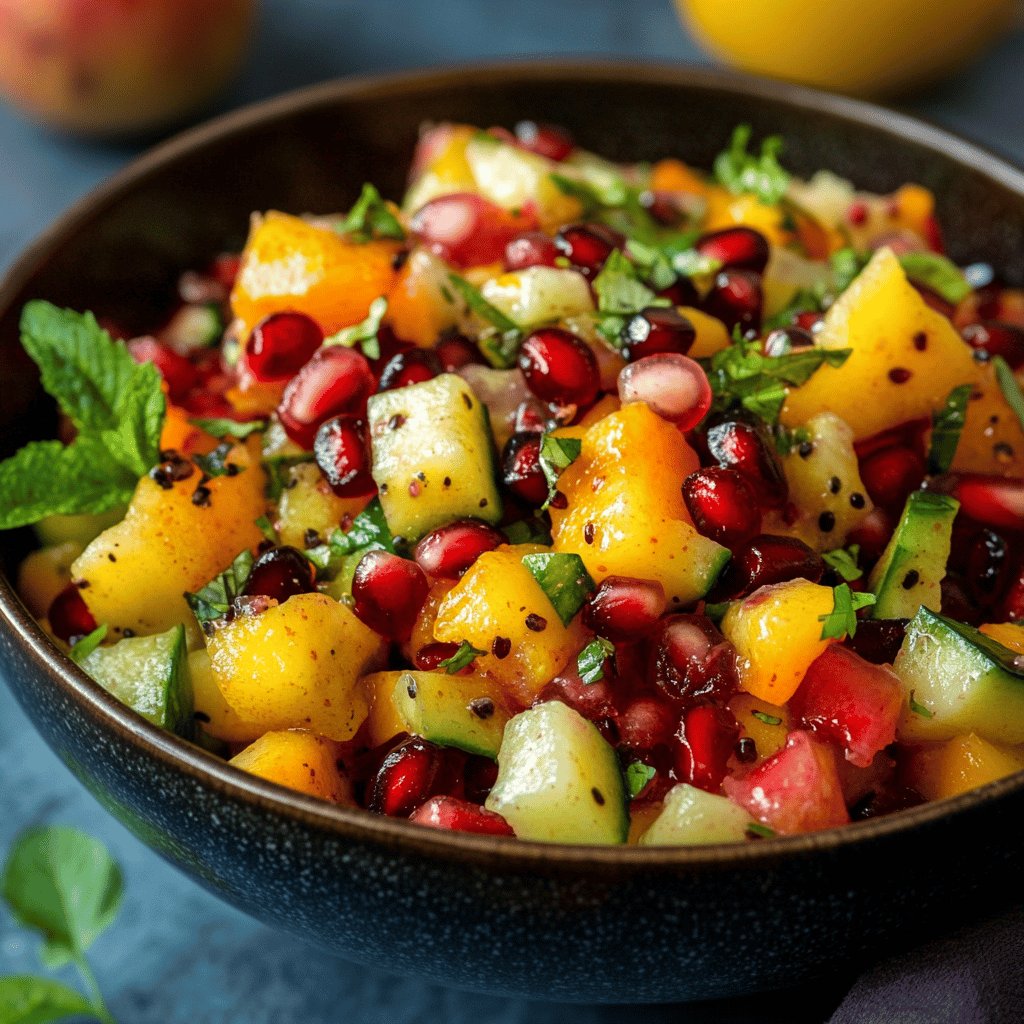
pixel 844 562
pixel 116 405
pixel 216 463
pixel 371 217
pixel 527 531
pixel 804 300
pixel 763 716
pixel 620 294
pixel 716 611
pixel 1007 384
pixel 741 172
pixel 85 645
pixel 214 600
pixel 556 453
pixel 919 709
pixel 502 347
pixel 564 579
pixel 690 263
pixel 278 468
pixel 755 830
pixel 590 661
pixel 947 425
pixel 786 440
pixel 266 527
pixel 230 428
pixel 465 655
pixel 363 334
pixel 369 530
pixel 615 193
pixel 845 265
pixel 638 775
pixel 842 620
pixel 937 272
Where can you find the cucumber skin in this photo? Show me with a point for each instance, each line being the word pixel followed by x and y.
pixel 920 542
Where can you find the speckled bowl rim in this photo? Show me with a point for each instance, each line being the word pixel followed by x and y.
pixel 398 834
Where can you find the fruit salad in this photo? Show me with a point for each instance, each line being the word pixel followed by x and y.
pixel 568 500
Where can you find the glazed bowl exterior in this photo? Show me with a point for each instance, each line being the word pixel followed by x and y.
pixel 572 923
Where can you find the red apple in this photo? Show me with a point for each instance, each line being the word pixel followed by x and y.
pixel 114 67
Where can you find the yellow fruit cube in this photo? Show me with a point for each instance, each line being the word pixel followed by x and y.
pixel 711 337
pixel 958 765
pixel 1009 634
pixel 308 503
pixel 213 713
pixel 45 573
pixel 766 724
pixel 299 760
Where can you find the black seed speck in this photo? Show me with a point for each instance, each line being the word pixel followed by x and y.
pixel 827 522
pixel 482 707
pixel 746 751
pixel 911 579
pixel 920 341
pixel 467 400
pixel 501 647
pixel 597 795
pixel 805 449
pixel 536 623
pixel 899 375
pixel 201 497
pixel 588 533
pixel 200 716
pixel 111 557
pixel 411 689
pixel 398 260
pixel 311 538
pixel 857 499
pixel 396 421
pixel 447 481
pixel 835 485
pixel 127 633
pixel 421 476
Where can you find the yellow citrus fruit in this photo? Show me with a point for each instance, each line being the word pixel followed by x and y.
pixel 875 47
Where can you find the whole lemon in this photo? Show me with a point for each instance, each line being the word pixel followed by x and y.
pixel 871 48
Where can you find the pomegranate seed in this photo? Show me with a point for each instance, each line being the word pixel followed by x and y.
pixel 996 501
pixel 704 745
pixel 520 468
pixel 69 617
pixel 281 344
pixel 872 534
pixel 810 320
pixel 587 246
pixel 388 593
pixel 891 474
pixel 224 270
pixel 991 338
pixel 529 418
pixel 623 608
pixel 689 659
pixel 465 229
pixel 594 701
pixel 646 722
pixel 280 573
pixel 479 777
pixel 663 207
pixel 1012 608
pixel 877 640
pixel 531 249
pixel 412 366
pixel 342 451
pixel 673 385
pixel 178 373
pixel 682 292
pixel 768 559
pixel 736 299
pixel 656 329
pixel 909 434
pixel 450 550
pixel 784 340
pixel 559 367
pixel 722 505
pixel 448 812
pixel 736 444
pixel 956 603
pixel 739 248
pixel 336 380
pixel 429 657
pixel 546 140
pixel 406 778
pixel 455 351
pixel 988 567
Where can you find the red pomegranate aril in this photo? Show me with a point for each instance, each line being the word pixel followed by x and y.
pixel 177 371
pixel 784 340
pixel 736 299
pixel 623 608
pixel 429 657
pixel 455 351
pixel 689 659
pixel 547 140
pixel 452 814
pixel 996 501
pixel 413 366
pixel 991 338
pixel 872 534
pixel 342 451
pixel 646 722
pixel 1012 607
pixel 479 776
pixel 891 474
pixel 704 745
pixel 531 417
pixel 740 248
pixel 656 329
pixel 224 269
pixel 933 300
pixel 465 229
pixel 682 292
pixel 280 573
pixel 909 434
pixel 449 551
pixel 531 249
pixel 767 559
pixel 559 367
pixel 520 468
pixel 810 320
pixel 988 567
pixel 956 601
pixel 877 640
pixel 281 344
pixel 673 385
pixel 722 505
pixel 69 617
pixel 336 380
pixel 736 444
pixel 587 246
pixel 388 593
pixel 406 778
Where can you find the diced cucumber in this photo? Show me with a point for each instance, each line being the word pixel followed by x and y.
pixel 911 569
pixel 194 326
pixel 693 817
pixel 150 674
pixel 539 295
pixel 558 780
pixel 453 711
pixel 433 456
pixel 958 680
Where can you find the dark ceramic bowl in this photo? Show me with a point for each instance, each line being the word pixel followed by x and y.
pixel 597 924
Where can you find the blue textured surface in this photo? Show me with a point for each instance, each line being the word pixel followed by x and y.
pixel 177 954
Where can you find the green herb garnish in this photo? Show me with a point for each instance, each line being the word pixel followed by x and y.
pixel 1007 384
pixel 230 428
pixel 465 655
pixel 116 405
pixel 919 709
pixel 266 527
pixel 216 463
pixel 842 620
pixel 369 530
pixel 363 334
pixel 755 830
pixel 85 645
pixel 527 531
pixel 947 425
pixel 638 775
pixel 371 217
pixel 501 347
pixel 942 275
pixel 214 600
pixel 620 295
pixel 844 562
pixel 741 172
pixel 590 661
pixel 564 579
pixel 763 716
pixel 557 453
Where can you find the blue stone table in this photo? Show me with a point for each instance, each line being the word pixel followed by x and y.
pixel 177 954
